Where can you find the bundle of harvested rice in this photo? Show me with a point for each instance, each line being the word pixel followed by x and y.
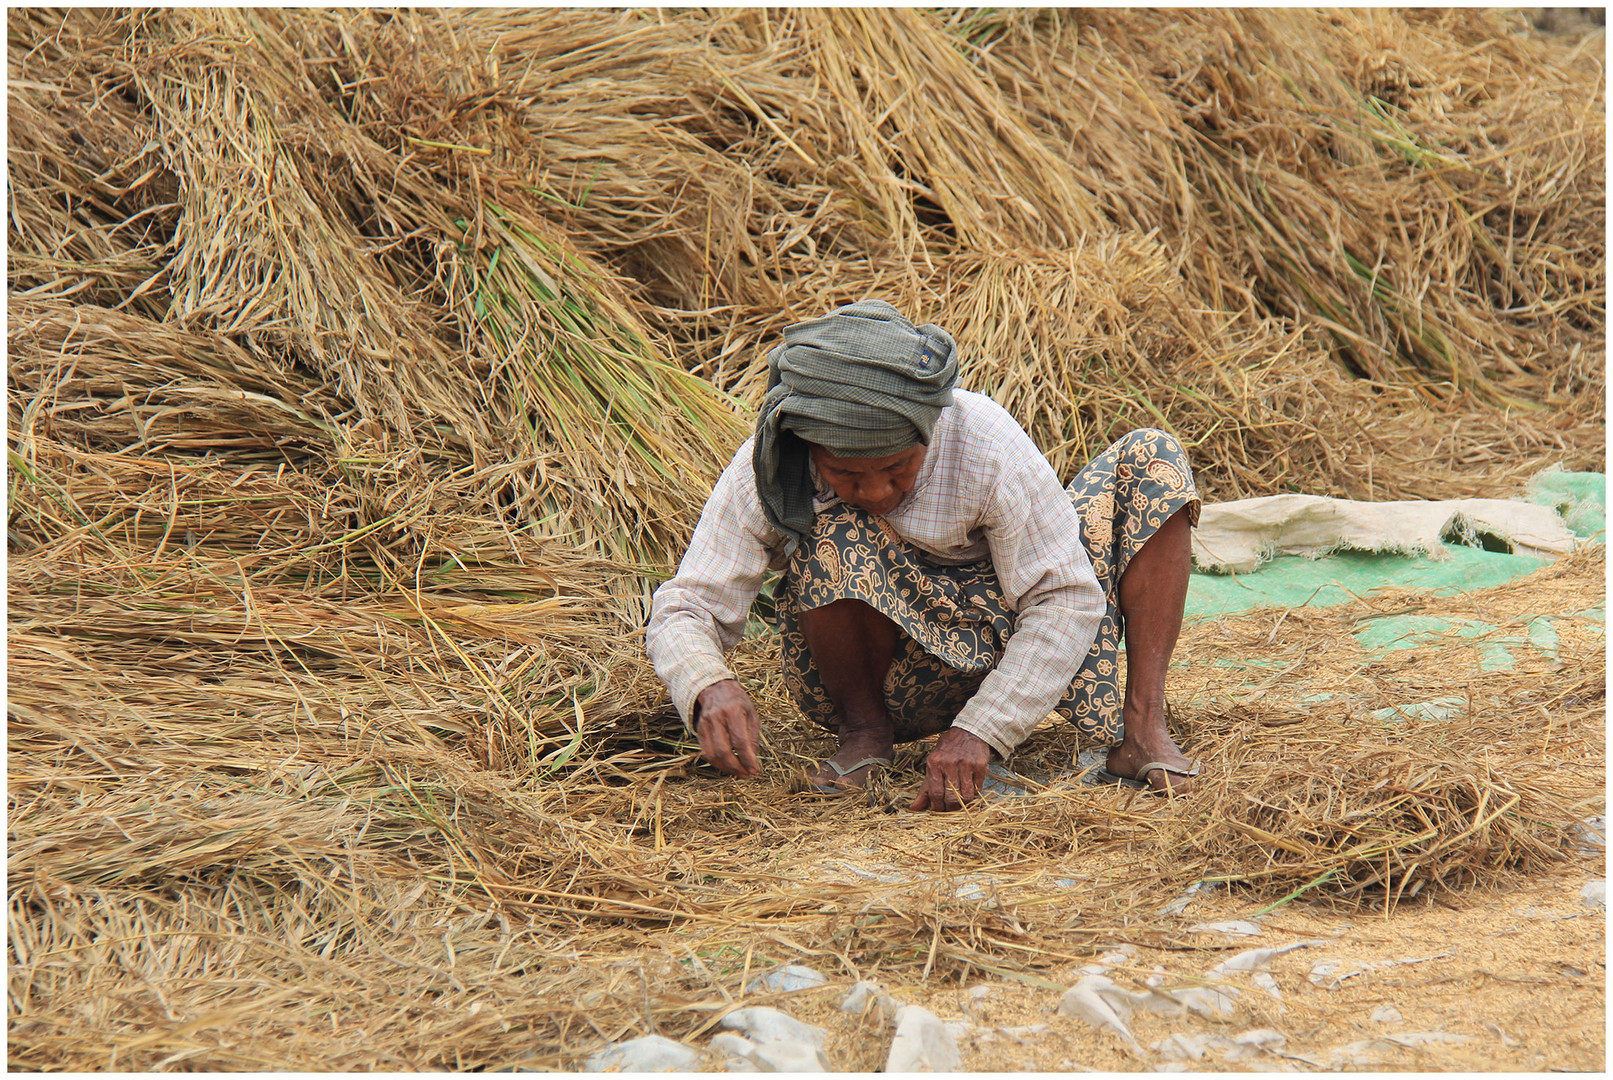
pixel 1426 187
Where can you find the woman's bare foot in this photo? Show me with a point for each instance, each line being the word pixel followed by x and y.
pixel 852 645
pixel 1146 743
pixel 855 746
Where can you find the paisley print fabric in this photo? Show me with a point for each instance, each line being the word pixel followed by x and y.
pixel 954 621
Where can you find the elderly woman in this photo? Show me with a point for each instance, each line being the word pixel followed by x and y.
pixel 937 579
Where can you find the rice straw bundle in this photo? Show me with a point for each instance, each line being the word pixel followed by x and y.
pixel 92 202
pixel 1316 167
pixel 1084 345
pixel 1335 810
pixel 953 143
pixel 572 368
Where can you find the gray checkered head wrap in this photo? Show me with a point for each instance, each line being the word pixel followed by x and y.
pixel 861 381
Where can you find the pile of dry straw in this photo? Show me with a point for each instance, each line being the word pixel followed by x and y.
pixel 368 368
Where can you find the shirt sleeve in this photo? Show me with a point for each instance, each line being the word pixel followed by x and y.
pixel 700 612
pixel 1035 538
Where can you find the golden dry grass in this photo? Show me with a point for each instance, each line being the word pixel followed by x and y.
pixel 332 856
pixel 367 369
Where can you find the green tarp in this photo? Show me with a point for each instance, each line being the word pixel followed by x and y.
pixel 1295 581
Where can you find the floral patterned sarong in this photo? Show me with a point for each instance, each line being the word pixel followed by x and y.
pixel 954 621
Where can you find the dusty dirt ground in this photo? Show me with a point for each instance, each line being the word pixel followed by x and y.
pixel 1513 979
pixel 1506 976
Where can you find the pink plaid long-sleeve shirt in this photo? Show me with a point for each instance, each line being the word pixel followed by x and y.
pixel 982 490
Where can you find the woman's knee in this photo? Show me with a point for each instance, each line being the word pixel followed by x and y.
pixel 1155 457
pixel 844 614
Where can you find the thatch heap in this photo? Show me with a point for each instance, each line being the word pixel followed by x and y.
pixel 367 368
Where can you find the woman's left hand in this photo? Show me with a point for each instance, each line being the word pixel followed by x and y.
pixel 954 772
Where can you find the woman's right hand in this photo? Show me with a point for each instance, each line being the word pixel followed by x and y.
pixel 729 728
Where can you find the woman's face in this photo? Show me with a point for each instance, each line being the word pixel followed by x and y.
pixel 876 485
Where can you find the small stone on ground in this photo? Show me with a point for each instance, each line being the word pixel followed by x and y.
pixel 1209 1002
pixel 789 979
pixel 1232 928
pixel 1183 1046
pixel 650 1053
pixel 782 1043
pixel 762 1024
pixel 1022 1034
pixel 1591 834
pixel 1097 1000
pixel 1424 1038
pixel 922 1044
pixel 733 1051
pixel 864 993
pixel 1256 959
